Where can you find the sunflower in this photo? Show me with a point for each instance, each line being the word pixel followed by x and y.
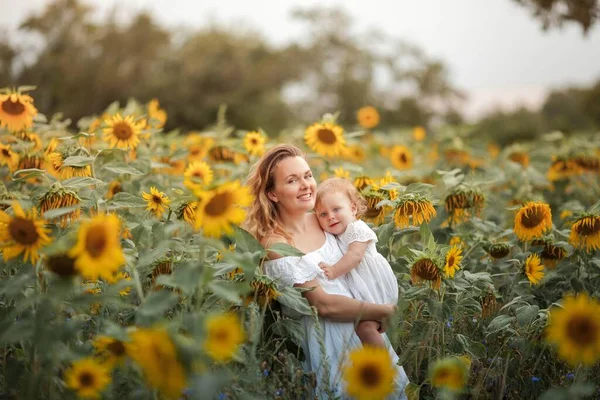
pixel 450 373
pixel 110 350
pixel 16 111
pixel 426 269
pixel 31 160
pixel 198 175
pixel 114 188
pixel 368 117
pixel 499 250
pixel 161 267
pixel 221 208
pixel 156 113
pixel 354 153
pixel 419 208
pixel 61 171
pixel 534 269
pixel 60 198
pixel 453 258
pixel 224 334
pixel 219 257
pixel 221 154
pixel 401 157
pixel 419 133
pixel 22 233
pixel 31 139
pixel 61 264
pixel 8 157
pixel 489 305
pixel 122 132
pixel 456 156
pixel 154 351
pixel 98 252
pixel 362 181
pixel 158 202
pixel 520 157
pixel 326 139
pixel 264 290
pixel 118 277
pixel 562 169
pixel 575 329
pixel 198 146
pixel 369 373
pixel 187 212
pixel 457 241
pixel 585 233
pixel 462 203
pixel 533 220
pixel 254 142
pixel 340 172
pixel 374 213
pixel 493 149
pixel 587 163
pixel 175 166
pixel 88 378
pixel 551 254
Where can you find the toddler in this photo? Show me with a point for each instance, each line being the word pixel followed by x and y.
pixel 369 275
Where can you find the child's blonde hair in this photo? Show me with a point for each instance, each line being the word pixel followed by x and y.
pixel 333 185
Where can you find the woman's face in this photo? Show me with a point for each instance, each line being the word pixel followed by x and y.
pixel 295 186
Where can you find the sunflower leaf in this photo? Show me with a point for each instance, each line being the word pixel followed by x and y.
pixel 291 298
pixel 156 304
pixel 122 168
pixel 77 161
pixel 126 200
pixel 79 182
pixel 285 249
pixel 245 242
pixel 59 212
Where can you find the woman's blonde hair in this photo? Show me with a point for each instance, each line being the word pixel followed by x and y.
pixel 333 185
pixel 262 219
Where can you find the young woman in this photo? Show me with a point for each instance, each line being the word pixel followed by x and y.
pixel 285 192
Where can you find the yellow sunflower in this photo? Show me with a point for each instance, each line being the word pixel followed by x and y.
pixel 158 202
pixel 114 188
pixel 401 157
pixel 118 277
pixel 88 378
pixel 110 350
pixel 354 153
pixel 453 258
pixel 575 330
pixel 8 157
pixel 368 117
pixel 456 156
pixel 340 172
pixel 157 113
pixel 449 373
pixel 219 209
pixel 198 175
pixel 62 171
pixel 122 132
pixel 585 233
pixel 418 208
pixel 361 182
pixel 326 139
pixel 534 269
pixel 98 250
pixel 426 269
pixel 493 149
pixel 31 139
pixel 562 169
pixel 254 142
pixel 419 133
pixel 376 214
pixel 369 373
pixel 61 264
pixel 60 198
pixel 23 232
pixel 154 351
pixel 187 212
pixel 264 290
pixel 533 220
pixel 198 146
pixel 16 111
pixel 224 334
pixel 457 241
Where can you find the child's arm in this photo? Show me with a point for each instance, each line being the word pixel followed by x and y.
pixel 349 261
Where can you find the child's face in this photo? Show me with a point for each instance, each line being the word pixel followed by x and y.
pixel 335 211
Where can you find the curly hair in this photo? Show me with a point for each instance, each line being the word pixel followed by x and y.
pixel 332 185
pixel 262 219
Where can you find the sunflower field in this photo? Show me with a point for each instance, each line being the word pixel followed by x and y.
pixel 126 274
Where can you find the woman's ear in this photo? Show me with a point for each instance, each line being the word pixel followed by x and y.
pixel 354 209
pixel 272 196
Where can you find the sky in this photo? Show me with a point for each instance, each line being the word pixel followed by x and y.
pixel 496 52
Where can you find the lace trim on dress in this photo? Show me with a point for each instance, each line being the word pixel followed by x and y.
pixel 290 271
pixel 359 232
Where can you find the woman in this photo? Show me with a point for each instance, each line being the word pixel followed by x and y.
pixel 284 190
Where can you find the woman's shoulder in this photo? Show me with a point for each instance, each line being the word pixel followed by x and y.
pixel 268 241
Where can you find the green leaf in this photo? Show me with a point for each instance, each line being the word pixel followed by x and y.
pixel 385 232
pixel 156 304
pixel 285 249
pixel 245 242
pixel 126 200
pixel 230 291
pixel 122 168
pixel 472 348
pixel 78 161
pixel 526 314
pixel 79 182
pixel 500 323
pixel 28 173
pixel 427 239
pixel 59 212
pixel 291 298
pixel 184 277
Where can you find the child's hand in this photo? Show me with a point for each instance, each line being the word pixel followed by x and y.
pixel 328 269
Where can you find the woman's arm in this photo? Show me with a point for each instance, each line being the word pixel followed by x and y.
pixel 349 261
pixel 343 308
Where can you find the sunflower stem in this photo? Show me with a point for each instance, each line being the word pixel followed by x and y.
pixel 169 215
pixel 138 283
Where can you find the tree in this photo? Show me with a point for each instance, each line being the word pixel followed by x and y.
pixel 556 12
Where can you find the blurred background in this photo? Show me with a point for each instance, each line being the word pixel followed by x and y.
pixel 513 69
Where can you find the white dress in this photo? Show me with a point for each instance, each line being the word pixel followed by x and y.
pixel 338 337
pixel 373 280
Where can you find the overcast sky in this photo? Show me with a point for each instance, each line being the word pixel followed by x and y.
pixel 495 50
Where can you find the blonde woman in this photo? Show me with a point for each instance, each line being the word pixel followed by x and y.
pixel 285 191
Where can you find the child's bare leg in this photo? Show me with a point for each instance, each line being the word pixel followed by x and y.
pixel 368 332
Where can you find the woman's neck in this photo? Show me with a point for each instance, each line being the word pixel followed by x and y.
pixel 295 224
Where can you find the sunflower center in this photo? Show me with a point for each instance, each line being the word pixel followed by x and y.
pixel 218 205
pixel 122 130
pixel 426 270
pixel 86 379
pixel 402 158
pixel 117 348
pixel 326 136
pixel 532 218
pixel 588 226
pixel 6 152
pixel 220 335
pixel 194 150
pixel 157 199
pixel 23 231
pixel 370 375
pixel 95 241
pixel 409 208
pixel 451 260
pixel 62 265
pixel 198 174
pixel 13 108
pixel 582 330
pixel 254 141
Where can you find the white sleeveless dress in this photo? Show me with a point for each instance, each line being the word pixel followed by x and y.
pixel 338 337
pixel 373 280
